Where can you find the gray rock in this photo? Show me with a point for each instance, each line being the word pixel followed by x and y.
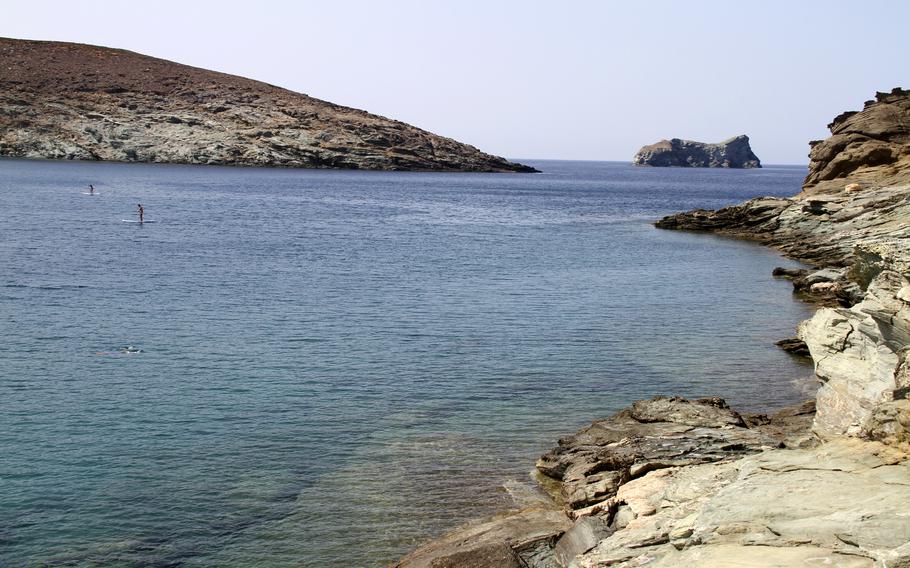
pixel 732 153
pixel 582 537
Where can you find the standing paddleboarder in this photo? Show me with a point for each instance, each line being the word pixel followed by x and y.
pixel 91 189
pixel 140 211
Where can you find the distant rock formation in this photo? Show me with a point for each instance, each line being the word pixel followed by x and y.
pixel 69 101
pixel 732 153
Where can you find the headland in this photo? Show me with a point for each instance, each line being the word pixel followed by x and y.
pixel 67 101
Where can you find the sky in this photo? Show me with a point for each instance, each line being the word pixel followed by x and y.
pixel 584 80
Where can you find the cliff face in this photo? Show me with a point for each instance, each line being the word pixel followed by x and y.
pixel 870 147
pixel 81 102
pixel 732 153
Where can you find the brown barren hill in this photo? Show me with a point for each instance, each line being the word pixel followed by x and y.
pixel 81 102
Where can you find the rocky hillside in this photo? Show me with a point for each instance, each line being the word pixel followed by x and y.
pixel 732 153
pixel 81 102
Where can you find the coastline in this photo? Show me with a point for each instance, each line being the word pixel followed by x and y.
pixel 671 482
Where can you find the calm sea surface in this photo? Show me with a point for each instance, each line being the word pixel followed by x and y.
pixel 329 367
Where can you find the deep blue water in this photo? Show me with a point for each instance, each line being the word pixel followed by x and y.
pixel 336 365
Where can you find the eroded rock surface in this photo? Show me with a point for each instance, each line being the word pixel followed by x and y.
pixel 70 101
pixel 732 153
pixel 860 357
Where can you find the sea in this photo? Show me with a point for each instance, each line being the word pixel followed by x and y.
pixel 327 368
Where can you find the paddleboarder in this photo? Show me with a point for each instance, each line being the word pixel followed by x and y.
pixel 91 189
pixel 140 211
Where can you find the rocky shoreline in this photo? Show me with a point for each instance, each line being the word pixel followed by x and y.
pixel 673 482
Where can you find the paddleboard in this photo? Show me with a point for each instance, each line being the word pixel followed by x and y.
pixel 87 193
pixel 138 221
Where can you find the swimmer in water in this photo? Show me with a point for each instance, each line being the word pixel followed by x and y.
pixel 141 212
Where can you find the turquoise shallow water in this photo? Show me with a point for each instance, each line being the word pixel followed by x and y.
pixel 335 366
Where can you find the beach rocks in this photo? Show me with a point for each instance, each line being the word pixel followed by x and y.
pixel 732 153
pixel 69 101
pixel 823 235
pixel 608 477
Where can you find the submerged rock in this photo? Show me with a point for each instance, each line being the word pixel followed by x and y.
pixel 732 153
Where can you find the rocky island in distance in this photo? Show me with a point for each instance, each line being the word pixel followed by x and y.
pixel 731 153
pixel 68 101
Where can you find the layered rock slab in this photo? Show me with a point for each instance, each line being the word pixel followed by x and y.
pixel 663 432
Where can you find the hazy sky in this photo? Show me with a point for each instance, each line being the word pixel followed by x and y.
pixel 527 79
